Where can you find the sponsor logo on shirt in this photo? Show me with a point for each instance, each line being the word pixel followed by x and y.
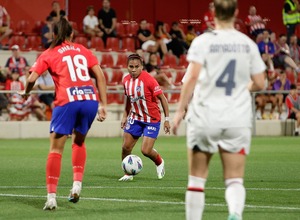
pixel 132 99
pixel 83 90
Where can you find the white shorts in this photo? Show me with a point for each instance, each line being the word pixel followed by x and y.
pixel 148 43
pixel 209 139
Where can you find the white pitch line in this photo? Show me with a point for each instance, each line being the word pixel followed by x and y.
pixel 151 201
pixel 147 187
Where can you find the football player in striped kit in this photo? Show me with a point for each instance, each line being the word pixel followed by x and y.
pixel 142 115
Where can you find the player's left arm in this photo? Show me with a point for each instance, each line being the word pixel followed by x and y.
pixel 187 89
pixel 30 81
pixel 165 106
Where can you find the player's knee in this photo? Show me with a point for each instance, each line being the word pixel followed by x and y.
pixel 146 152
pixel 126 149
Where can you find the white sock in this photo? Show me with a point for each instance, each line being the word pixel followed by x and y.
pixel 195 198
pixel 77 183
pixel 51 195
pixel 235 195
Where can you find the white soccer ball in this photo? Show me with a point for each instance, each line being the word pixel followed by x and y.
pixel 132 164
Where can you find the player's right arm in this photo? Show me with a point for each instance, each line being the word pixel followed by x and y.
pixel 101 86
pixel 125 112
pixel 188 87
pixel 258 82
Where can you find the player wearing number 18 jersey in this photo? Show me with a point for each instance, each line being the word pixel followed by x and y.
pixel 76 104
pixel 219 115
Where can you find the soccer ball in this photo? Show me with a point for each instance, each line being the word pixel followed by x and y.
pixel 132 164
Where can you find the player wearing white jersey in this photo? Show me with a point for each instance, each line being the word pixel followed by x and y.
pixel 223 66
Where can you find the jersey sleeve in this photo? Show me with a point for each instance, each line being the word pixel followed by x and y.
pixel 41 64
pixel 195 53
pixel 92 59
pixel 154 87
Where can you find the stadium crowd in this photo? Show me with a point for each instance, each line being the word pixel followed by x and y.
pixel 163 47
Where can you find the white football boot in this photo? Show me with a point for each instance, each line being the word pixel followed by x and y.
pixel 126 177
pixel 51 202
pixel 160 169
pixel 75 192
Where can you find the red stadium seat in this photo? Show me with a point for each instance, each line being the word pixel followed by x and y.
pixel 97 44
pixel 178 78
pixel 117 76
pixel 131 29
pixel 121 60
pixel 19 40
pixel 128 44
pixel 112 43
pixel 150 26
pixel 81 40
pixel 22 27
pixel 120 29
pixel 37 29
pixel 33 43
pixel 170 60
pixel 107 61
pixel 113 77
pixel 182 61
pixel 174 96
pixel 291 76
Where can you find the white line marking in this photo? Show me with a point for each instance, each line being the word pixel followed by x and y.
pixel 150 201
pixel 146 187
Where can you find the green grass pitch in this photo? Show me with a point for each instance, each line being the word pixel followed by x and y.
pixel 272 182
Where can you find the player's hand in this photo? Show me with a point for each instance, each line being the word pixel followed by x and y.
pixel 179 115
pixel 167 127
pixel 101 113
pixel 123 122
pixel 24 94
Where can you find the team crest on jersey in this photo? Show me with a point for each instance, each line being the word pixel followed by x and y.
pixel 138 89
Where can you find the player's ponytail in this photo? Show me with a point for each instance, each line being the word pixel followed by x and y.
pixel 62 31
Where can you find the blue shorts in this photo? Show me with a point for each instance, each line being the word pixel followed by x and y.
pixel 78 115
pixel 139 128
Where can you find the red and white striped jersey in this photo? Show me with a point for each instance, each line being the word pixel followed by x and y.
pixel 69 66
pixel 256 25
pixel 142 93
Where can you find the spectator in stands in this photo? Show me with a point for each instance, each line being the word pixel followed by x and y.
pixel 208 23
pixel 267 50
pixel 262 99
pixel 47 32
pixel 5 30
pixel 16 61
pixel 178 34
pixel 57 12
pixel 91 23
pixel 19 108
pixel 173 45
pixel 290 15
pixel 107 20
pixel 295 49
pixel 147 40
pixel 256 25
pixel 292 102
pixel 3 99
pixel 281 84
pixel 282 58
pixel 45 82
pixel 153 68
pixel 190 35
